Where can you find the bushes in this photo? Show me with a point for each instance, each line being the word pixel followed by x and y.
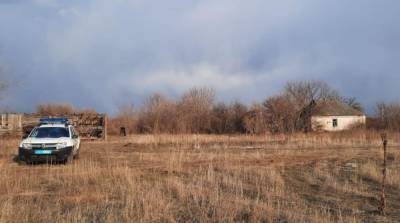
pixel 254 121
pixel 196 112
pixel 387 117
pixel 62 109
pixel 158 115
pixel 127 118
pixel 193 112
pixel 55 109
pixel 228 119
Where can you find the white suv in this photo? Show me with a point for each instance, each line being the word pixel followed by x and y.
pixel 53 140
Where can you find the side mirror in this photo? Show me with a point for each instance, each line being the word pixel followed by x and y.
pixel 25 136
pixel 75 136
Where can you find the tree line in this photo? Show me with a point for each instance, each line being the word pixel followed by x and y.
pixel 197 111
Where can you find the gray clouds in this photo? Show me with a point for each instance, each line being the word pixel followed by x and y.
pixel 113 52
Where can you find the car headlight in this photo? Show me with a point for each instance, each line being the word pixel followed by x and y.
pixel 26 145
pixel 61 145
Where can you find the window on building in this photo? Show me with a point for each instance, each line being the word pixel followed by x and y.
pixel 335 123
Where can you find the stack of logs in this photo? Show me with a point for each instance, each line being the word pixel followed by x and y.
pixel 88 125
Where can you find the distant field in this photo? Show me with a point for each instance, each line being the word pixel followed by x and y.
pixel 203 178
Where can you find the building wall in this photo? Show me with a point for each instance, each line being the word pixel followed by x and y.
pixel 326 123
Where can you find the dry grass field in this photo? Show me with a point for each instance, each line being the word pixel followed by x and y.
pixel 202 178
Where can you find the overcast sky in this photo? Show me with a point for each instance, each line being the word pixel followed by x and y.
pixel 102 54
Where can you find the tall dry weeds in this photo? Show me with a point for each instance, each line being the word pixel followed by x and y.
pixel 201 178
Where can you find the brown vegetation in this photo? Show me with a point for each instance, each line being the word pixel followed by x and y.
pixel 54 109
pixel 196 111
pixel 62 109
pixel 127 118
pixel 388 116
pixel 206 178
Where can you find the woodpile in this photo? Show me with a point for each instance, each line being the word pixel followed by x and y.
pixel 89 125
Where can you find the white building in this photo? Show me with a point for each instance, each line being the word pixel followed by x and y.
pixel 332 115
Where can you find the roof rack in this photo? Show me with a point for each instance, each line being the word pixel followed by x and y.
pixel 44 121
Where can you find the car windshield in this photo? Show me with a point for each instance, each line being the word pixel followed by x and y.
pixel 50 132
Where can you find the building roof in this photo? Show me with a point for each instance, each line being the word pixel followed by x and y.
pixel 334 108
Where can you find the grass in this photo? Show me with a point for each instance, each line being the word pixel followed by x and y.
pixel 206 178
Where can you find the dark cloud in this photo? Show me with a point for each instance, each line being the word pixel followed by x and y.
pixel 104 53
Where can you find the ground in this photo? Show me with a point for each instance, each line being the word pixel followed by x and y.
pixel 203 178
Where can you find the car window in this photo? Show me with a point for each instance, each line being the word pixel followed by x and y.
pixel 50 132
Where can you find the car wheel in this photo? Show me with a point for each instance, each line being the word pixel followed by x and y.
pixel 21 162
pixel 76 156
pixel 69 159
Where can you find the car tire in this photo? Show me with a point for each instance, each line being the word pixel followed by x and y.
pixel 69 159
pixel 21 162
pixel 76 156
pixel 28 162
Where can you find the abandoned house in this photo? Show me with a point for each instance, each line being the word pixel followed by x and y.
pixel 333 115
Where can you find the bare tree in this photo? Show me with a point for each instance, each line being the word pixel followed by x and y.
pixel 126 118
pixel 380 108
pixel 194 110
pixel 55 109
pixel 89 111
pixel 158 115
pixel 228 119
pixel 239 111
pixel 254 121
pixel 303 93
pixel 287 112
pixel 280 115
pixel 389 115
pixel 220 118
pixel 352 102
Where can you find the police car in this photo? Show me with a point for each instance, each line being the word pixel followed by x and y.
pixel 53 140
